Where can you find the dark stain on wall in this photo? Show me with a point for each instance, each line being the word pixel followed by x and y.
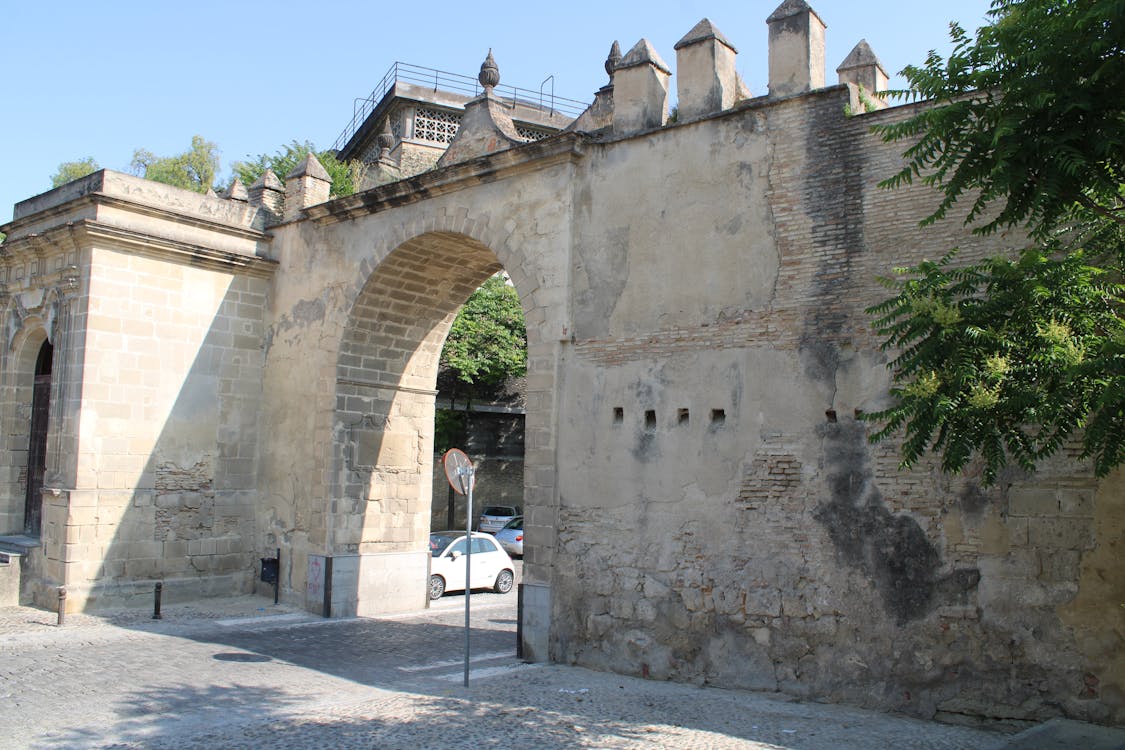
pixel 973 499
pixel 892 550
pixel 832 195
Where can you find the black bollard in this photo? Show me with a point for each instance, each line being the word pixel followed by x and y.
pixel 62 604
pixel 156 600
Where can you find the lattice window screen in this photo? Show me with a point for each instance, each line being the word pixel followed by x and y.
pixel 435 125
pixel 531 134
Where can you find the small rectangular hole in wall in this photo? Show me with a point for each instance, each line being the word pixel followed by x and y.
pixel 831 415
pixel 650 419
pixel 682 416
pixel 718 416
pixel 618 415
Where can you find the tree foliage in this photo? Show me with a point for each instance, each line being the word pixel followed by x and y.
pixel 487 343
pixel 194 169
pixel 1009 358
pixel 346 176
pixel 72 170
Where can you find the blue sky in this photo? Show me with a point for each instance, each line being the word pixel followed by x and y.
pixel 103 79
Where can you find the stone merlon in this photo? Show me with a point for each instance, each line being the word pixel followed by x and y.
pixel 796 49
pixel 640 90
pixel 706 78
pixel 307 185
pixel 862 68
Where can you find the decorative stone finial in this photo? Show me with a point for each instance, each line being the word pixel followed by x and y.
pixel 386 139
pixel 489 75
pixel 613 60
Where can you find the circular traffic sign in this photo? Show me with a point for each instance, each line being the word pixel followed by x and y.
pixel 459 471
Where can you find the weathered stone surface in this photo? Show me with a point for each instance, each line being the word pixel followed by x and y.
pixel 702 503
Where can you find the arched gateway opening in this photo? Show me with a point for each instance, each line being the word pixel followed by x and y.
pixel 386 377
pixel 37 442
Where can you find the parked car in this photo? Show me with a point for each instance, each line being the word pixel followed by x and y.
pixel 491 566
pixel 511 537
pixel 493 517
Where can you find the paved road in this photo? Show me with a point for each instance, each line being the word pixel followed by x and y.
pixel 206 679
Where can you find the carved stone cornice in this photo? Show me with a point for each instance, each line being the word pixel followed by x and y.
pixel 83 233
pixel 142 209
pixel 531 157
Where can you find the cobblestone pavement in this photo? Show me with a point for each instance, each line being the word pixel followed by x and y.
pixel 242 673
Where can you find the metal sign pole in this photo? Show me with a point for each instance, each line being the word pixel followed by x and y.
pixel 468 479
pixel 460 473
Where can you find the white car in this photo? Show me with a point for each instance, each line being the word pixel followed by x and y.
pixel 492 568
pixel 494 517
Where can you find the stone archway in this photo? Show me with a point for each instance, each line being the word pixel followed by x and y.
pixel 385 380
pixel 386 374
pixel 381 462
pixel 22 372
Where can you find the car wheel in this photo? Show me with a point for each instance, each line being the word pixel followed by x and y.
pixel 437 586
pixel 504 582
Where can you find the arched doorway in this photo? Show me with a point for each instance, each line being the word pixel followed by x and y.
pixel 385 386
pixel 37 442
pixel 378 519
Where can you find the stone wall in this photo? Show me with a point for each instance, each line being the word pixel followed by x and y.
pixel 723 518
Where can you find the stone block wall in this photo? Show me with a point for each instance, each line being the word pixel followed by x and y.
pixel 165 474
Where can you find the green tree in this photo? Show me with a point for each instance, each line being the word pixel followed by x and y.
pixel 346 176
pixel 487 343
pixel 192 170
pixel 72 170
pixel 1009 358
pixel 486 347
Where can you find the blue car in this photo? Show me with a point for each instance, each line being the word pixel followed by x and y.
pixel 511 537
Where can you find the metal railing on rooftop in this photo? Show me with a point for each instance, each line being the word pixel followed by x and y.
pixel 439 80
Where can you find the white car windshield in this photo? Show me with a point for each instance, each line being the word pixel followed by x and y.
pixel 438 543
